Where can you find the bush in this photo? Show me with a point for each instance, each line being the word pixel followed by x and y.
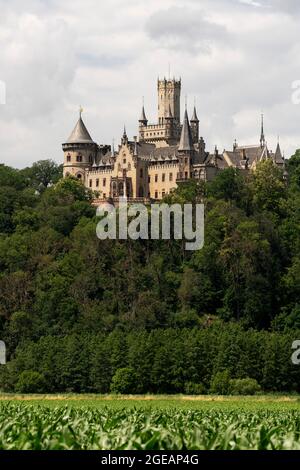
pixel 190 388
pixel 244 386
pixel 220 384
pixel 31 382
pixel 123 381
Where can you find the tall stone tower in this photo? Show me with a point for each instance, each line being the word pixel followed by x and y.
pixel 168 98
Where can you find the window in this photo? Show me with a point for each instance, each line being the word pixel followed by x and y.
pixel 79 176
pixel 163 177
pixel 124 161
pixel 104 182
pixel 79 158
pixel 186 175
pixel 156 195
pixel 141 173
pixel 163 193
pixel 68 158
pixel 97 183
pixel 149 179
pixel 156 178
pixel 171 177
pixel 129 167
pixel 91 183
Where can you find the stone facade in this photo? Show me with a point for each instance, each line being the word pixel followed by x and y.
pixel 166 154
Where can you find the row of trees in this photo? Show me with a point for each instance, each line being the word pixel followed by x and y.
pixel 162 361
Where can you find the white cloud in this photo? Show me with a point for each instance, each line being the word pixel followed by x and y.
pixel 235 58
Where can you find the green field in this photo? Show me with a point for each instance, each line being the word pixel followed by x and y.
pixel 149 423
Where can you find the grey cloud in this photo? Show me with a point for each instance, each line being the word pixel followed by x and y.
pixel 183 28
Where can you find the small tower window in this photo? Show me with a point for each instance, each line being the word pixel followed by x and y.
pixel 79 158
pixel 104 182
pixel 156 178
pixel 91 183
pixel 163 177
pixel 129 167
pixel 156 195
pixel 171 177
pixel 97 183
pixel 68 158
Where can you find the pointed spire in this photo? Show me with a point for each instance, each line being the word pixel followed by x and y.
pixel 80 134
pixel 143 118
pixel 262 135
pixel 195 117
pixel 186 141
pixel 278 154
pixel 124 138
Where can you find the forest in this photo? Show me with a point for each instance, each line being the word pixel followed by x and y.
pixel 79 314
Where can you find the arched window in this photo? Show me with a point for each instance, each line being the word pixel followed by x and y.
pixel 68 158
pixel 79 158
pixel 129 167
pixel 79 176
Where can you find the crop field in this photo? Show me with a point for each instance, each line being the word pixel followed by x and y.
pixel 149 423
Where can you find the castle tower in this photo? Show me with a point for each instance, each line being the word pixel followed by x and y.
pixel 195 126
pixel 80 151
pixel 168 96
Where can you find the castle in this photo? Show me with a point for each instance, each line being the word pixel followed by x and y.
pixel 164 155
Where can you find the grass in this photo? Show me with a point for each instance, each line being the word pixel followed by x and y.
pixel 149 422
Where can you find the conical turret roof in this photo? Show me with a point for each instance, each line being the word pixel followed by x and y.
pixel 186 141
pixel 195 117
pixel 80 134
pixel 143 116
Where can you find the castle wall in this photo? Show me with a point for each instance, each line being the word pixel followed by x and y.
pixel 162 179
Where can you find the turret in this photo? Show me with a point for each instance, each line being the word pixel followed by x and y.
pixel 195 126
pixel 185 149
pixel 80 151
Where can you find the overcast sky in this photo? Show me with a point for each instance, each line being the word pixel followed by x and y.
pixel 236 58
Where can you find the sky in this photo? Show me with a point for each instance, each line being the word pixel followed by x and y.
pixel 236 59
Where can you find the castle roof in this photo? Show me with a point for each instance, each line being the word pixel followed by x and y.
pixel 80 134
pixel 143 116
pixel 278 158
pixel 194 117
pixel 186 141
